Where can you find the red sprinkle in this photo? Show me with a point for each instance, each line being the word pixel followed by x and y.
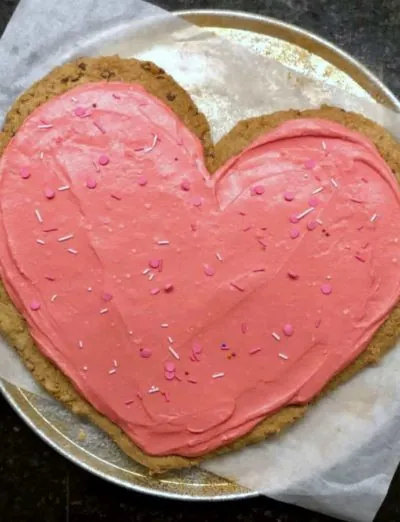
pixel 197 201
pixel 145 353
pixel 115 197
pixel 359 258
pixel 50 230
pixel 313 202
pixel 49 193
pixel 168 287
pixel 243 327
pixel 91 183
pixel 142 180
pixel 294 233
pixel 24 173
pixel 185 185
pixel 49 278
pixel 154 291
pixel 104 159
pixel 234 285
pixel 288 196
pixel 192 381
pixel 309 164
pixel 193 227
pixel 312 225
pixel 154 263
pixel 288 329
pixel 35 305
pixel 107 296
pixel 318 323
pixel 208 270
pixel 254 350
pixel 326 289
pixel 293 275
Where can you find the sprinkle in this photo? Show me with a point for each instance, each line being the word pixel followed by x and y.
pixel 80 112
pixel 254 350
pixel 259 270
pixel 217 375
pixel 49 278
pixel 151 276
pixel 319 221
pixel 318 190
pixel 196 348
pixel 145 353
pixel 293 219
pixel 129 402
pixel 334 183
pixel 40 241
pixel 115 363
pixel 262 243
pixel 142 181
pixel 170 340
pixel 283 356
pixel 359 258
pixel 115 197
pixel 72 251
pixel 107 296
pixel 41 155
pixel 173 352
pixel 96 124
pixel 185 185
pixel 305 213
pixel 318 323
pixel 154 389
pixel 373 218
pixel 224 346
pixel 154 291
pixel 309 164
pixel 35 305
pixel 169 366
pixel 288 329
pixel 38 216
pixel 293 275
pixel 116 96
pixel 197 201
pixel 193 227
pixel 276 336
pixel 312 225
pixel 364 180
pixel 91 183
pixel 73 99
pixel 149 149
pixel 103 160
pixel 218 256
pixel 112 371
pixel 47 126
pixel 163 242
pixel 243 328
pixel 165 395
pixel 154 263
pixel 313 202
pixel 356 200
pixel 89 289
pixel 294 233
pixel 192 381
pixel 169 375
pixel 288 196
pixel 80 344
pixel 246 229
pixel 258 190
pixel 24 173
pixel 168 287
pixel 64 187
pixel 146 271
pixel 53 298
pixel 104 310
pixel 208 270
pixel 326 289
pixel 234 285
pixel 65 238
pixel 323 145
pixel 85 368
pixel 164 325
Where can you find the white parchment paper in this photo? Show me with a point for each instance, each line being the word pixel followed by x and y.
pixel 340 458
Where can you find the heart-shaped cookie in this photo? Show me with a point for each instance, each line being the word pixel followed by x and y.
pixel 186 307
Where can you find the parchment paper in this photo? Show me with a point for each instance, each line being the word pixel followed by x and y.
pixel 340 459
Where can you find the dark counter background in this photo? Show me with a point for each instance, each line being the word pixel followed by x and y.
pixel 38 484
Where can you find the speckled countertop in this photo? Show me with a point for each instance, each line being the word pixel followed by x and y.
pixel 35 482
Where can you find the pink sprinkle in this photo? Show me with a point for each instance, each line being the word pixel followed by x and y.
pixel 313 202
pixel 196 348
pixel 326 289
pixel 35 305
pixel 197 201
pixel 91 183
pixel 359 258
pixel 312 225
pixel 154 263
pixel 294 233
pixel 293 219
pixel 168 287
pixel 107 296
pixel 293 275
pixel 258 190
pixel 309 164
pixel 49 278
pixel 142 181
pixel 318 323
pixel 169 375
pixel 243 328
pixel 104 160
pixel 145 353
pixel 154 291
pixel 24 173
pixel 254 350
pixel 288 330
pixel 169 366
pixel 288 196
pixel 80 112
pixel 208 270
pixel 185 185
pixel 49 193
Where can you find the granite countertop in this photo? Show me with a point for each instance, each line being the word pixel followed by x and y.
pixel 35 482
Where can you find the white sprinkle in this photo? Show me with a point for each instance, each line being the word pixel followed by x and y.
pixel 283 356
pixel 104 310
pixel 112 371
pixel 45 127
pixel 151 277
pixel 41 155
pixel 170 340
pixel 149 149
pixel 217 375
pixel 53 298
pixel 305 213
pixel 130 332
pixel 163 242
pixel 85 368
pixel 72 251
pixel 64 187
pixel 318 190
pixel 276 336
pixel 164 325
pixel 115 363
pixel 154 389
pixel 218 256
pixel 65 238
pixel 38 215
pixel 40 241
pixel 319 221
pixel 171 350
pixel 328 277
pixel 373 218
pixel 146 271
pixel 323 145
pixel 80 344
pixel 90 289
pixel 334 183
